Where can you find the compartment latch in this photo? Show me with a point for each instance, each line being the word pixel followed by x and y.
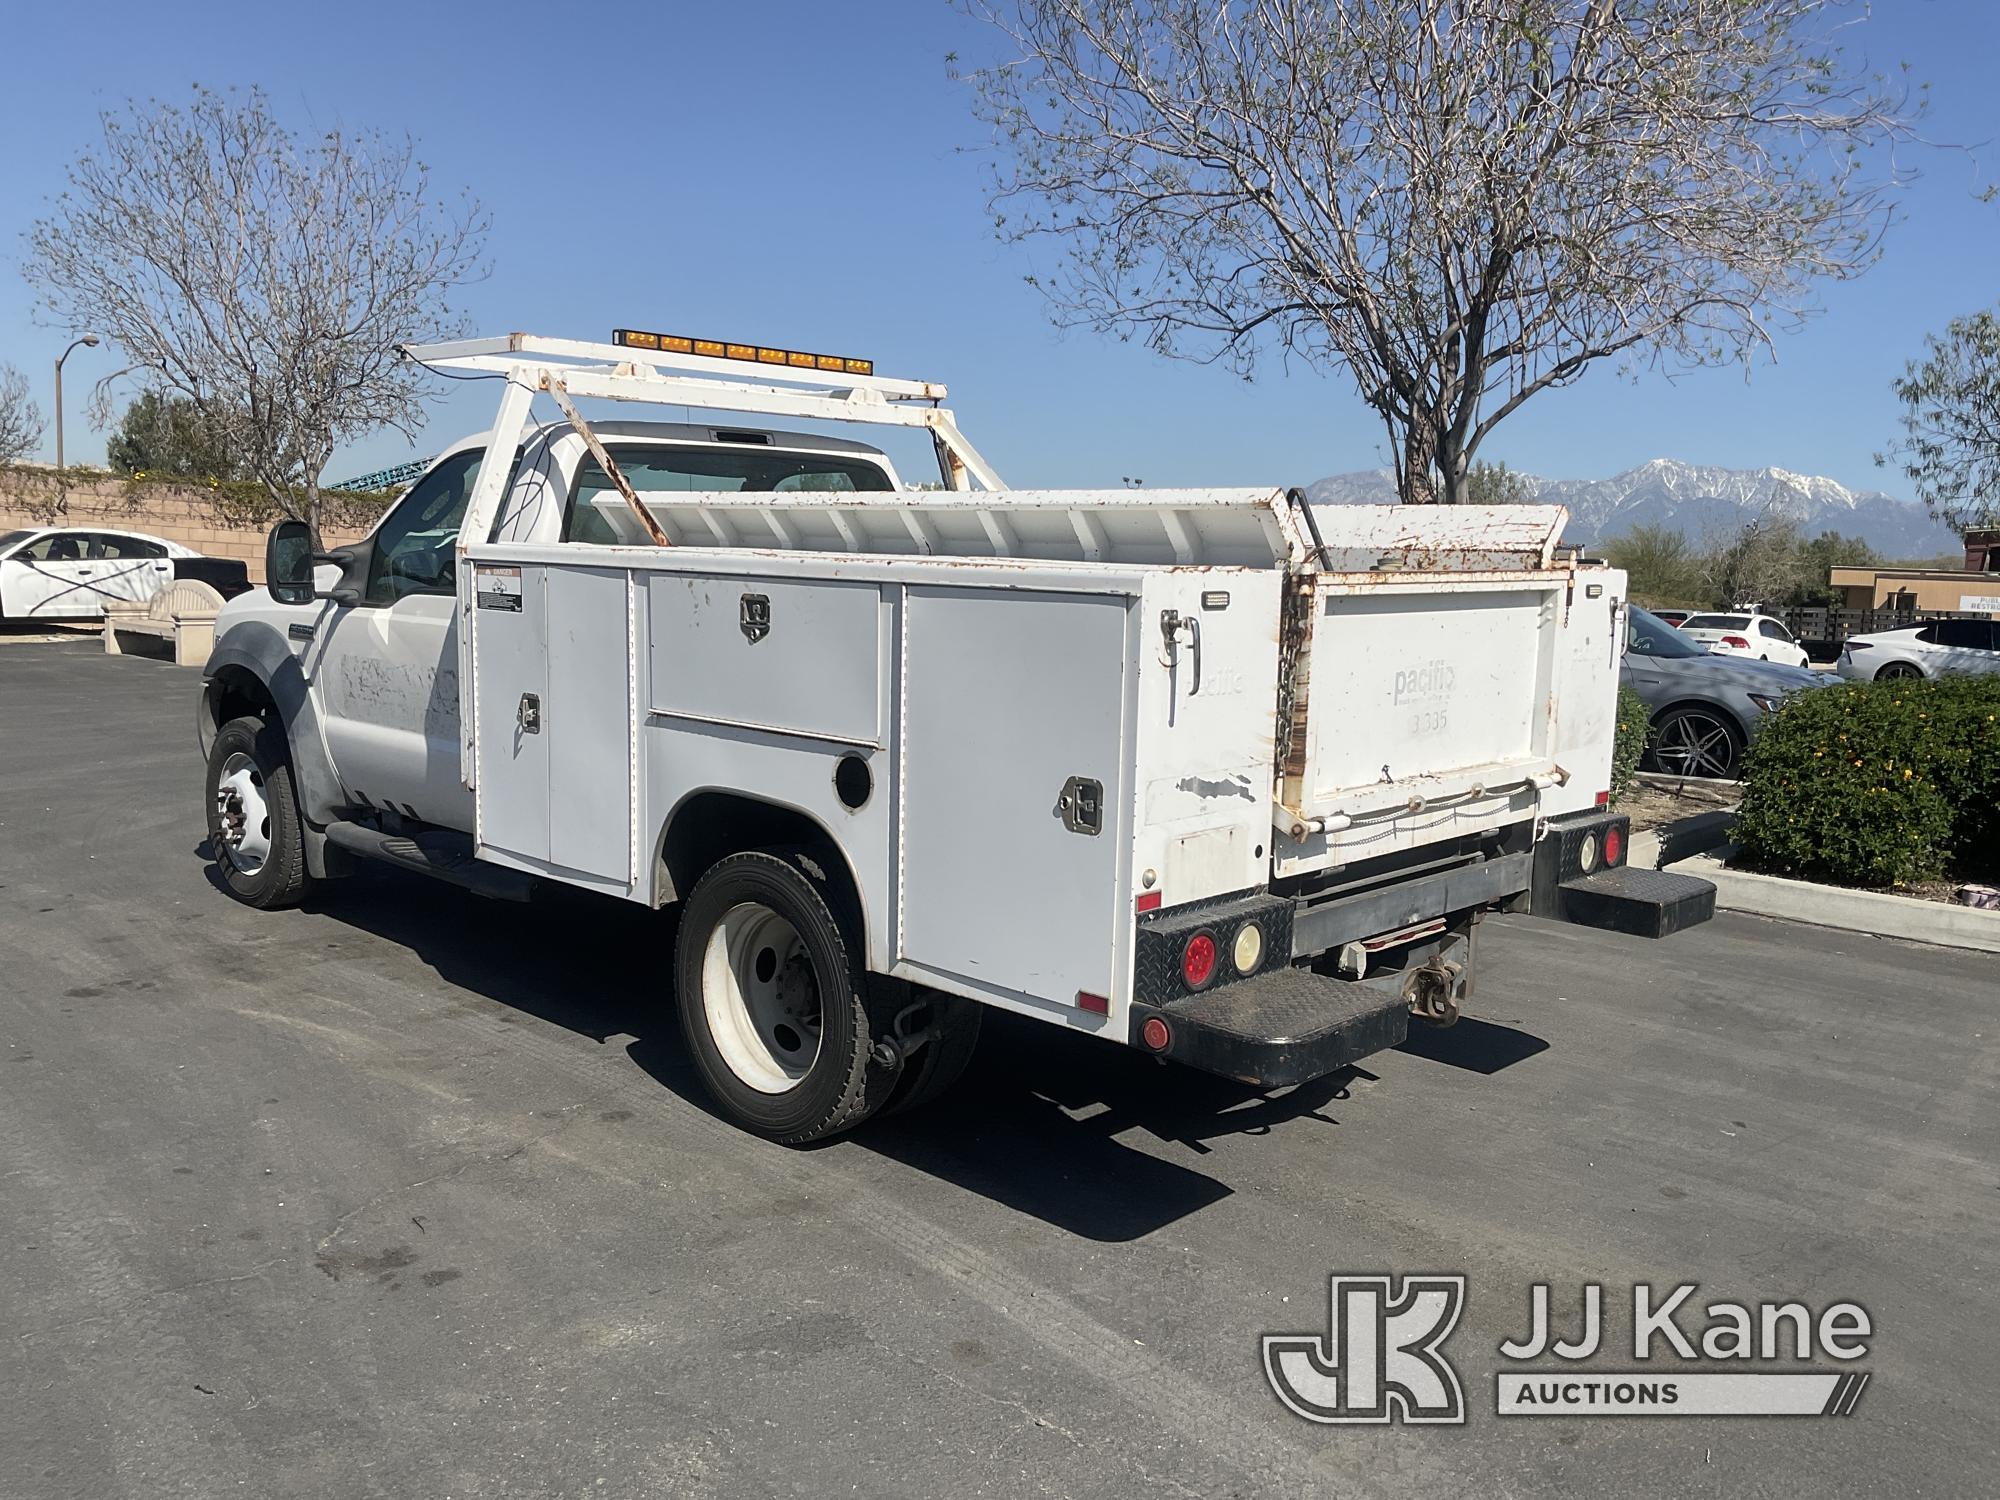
pixel 1081 805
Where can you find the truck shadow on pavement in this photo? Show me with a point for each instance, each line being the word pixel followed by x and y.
pixel 1035 1125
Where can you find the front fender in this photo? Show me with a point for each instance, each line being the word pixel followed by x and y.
pixel 261 650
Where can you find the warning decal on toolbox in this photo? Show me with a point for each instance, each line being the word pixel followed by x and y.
pixel 498 588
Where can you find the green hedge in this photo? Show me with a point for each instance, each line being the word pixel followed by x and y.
pixel 1880 783
pixel 1629 744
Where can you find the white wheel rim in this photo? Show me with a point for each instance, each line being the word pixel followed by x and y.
pixel 761 998
pixel 244 832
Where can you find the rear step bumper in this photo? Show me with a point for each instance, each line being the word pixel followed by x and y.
pixel 1280 1028
pixel 1645 903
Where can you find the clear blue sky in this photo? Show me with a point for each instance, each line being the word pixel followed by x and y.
pixel 789 172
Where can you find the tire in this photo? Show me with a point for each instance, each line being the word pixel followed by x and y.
pixel 942 1060
pixel 1696 741
pixel 253 816
pixel 776 1008
pixel 1898 671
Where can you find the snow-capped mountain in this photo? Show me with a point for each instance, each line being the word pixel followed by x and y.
pixel 1701 501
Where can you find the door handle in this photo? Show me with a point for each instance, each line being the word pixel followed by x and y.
pixel 1172 623
pixel 528 717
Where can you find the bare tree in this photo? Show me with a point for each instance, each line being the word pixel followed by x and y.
pixel 20 418
pixel 265 279
pixel 1461 202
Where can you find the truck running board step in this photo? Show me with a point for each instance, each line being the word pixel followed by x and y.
pixel 1645 903
pixel 439 853
pixel 1280 1028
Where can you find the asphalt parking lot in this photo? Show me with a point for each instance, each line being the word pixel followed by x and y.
pixel 406 1194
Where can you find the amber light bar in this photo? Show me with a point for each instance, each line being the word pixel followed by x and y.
pixel 758 354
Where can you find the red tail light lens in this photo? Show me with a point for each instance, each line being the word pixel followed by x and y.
pixel 1604 799
pixel 1737 641
pixel 1614 845
pixel 1155 1034
pixel 1198 960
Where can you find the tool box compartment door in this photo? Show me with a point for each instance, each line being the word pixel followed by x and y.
pixel 1015 795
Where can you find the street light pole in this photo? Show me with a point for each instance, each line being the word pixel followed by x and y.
pixel 62 470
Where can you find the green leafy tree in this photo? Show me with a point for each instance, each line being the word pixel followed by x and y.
pixel 1817 560
pixel 1950 448
pixel 1495 484
pixel 1662 567
pixel 162 434
pixel 1763 566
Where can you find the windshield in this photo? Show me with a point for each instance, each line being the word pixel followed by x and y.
pixel 1649 635
pixel 597 511
pixel 1716 622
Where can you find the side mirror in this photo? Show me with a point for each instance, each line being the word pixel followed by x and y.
pixel 288 567
pixel 288 563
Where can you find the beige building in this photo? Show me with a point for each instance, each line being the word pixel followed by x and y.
pixel 1971 590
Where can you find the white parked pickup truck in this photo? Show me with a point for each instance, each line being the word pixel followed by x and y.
pixel 1200 772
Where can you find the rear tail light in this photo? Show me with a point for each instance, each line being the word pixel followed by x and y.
pixel 1737 641
pixel 1155 1034
pixel 1198 960
pixel 1614 844
pixel 1604 799
pixel 1855 645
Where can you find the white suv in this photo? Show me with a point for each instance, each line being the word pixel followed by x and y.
pixel 1757 636
pixel 1928 650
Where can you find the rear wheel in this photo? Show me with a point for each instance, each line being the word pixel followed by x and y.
pixel 1896 671
pixel 253 815
pixel 774 1003
pixel 941 1061
pixel 1695 741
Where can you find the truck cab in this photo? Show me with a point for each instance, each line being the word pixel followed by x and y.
pixel 377 651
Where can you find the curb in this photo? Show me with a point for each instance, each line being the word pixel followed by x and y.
pixel 1851 911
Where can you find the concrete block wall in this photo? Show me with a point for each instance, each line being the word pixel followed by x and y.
pixel 184 516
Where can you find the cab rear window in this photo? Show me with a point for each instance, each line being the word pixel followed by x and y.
pixel 596 512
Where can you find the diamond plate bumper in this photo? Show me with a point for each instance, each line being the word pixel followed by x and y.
pixel 1280 1028
pixel 1645 903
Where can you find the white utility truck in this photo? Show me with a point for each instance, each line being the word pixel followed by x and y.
pixel 1200 772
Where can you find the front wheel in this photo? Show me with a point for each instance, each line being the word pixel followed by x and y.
pixel 254 834
pixel 1696 742
pixel 775 1006
pixel 1897 671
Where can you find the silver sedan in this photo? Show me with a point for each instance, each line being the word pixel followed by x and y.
pixel 1705 709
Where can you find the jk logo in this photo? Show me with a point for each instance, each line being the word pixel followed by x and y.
pixel 1379 1359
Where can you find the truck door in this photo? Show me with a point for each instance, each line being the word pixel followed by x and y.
pixel 387 669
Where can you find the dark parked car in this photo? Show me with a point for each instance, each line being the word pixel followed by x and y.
pixel 1705 709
